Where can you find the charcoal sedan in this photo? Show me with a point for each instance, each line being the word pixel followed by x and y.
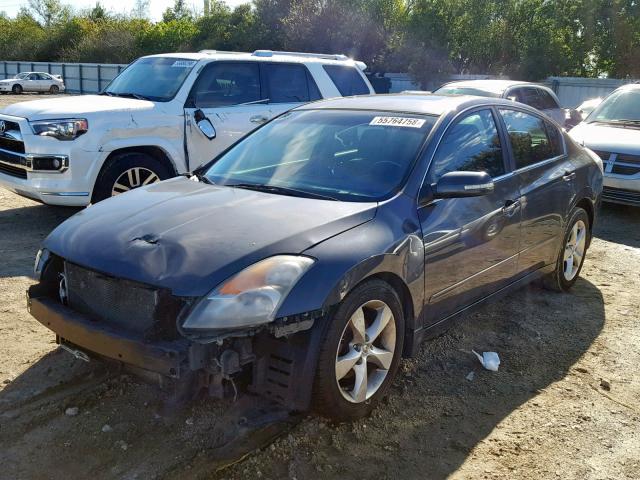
pixel 304 262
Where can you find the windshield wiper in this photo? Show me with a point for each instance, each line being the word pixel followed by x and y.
pixel 619 121
pixel 199 176
pixel 126 95
pixel 281 190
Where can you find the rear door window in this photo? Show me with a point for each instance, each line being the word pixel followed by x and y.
pixel 471 144
pixel 529 140
pixel 347 80
pixel 227 83
pixel 289 83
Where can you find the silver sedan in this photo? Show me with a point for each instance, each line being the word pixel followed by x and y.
pixel 33 82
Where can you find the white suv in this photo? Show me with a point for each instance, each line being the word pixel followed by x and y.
pixel 162 116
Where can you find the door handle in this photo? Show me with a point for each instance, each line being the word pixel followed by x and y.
pixel 568 176
pixel 510 207
pixel 258 119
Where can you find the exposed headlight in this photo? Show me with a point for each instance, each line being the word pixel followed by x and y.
pixel 65 129
pixel 41 260
pixel 250 298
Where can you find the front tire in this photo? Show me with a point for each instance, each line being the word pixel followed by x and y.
pixel 361 352
pixel 16 89
pixel 127 171
pixel 572 252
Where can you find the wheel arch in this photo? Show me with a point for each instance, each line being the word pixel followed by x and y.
pixel 152 150
pixel 587 205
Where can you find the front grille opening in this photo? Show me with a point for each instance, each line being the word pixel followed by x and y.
pixel 13 171
pixel 125 305
pixel 11 145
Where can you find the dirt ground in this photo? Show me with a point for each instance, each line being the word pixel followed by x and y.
pixel 564 404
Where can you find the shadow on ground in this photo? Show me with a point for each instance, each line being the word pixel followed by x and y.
pixel 22 231
pixel 619 224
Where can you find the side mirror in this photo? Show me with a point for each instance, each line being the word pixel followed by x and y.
pixel 204 124
pixel 463 184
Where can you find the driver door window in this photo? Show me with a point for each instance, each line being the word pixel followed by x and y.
pixel 471 144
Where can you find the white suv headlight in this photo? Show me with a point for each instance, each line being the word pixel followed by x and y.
pixel 63 129
pixel 250 298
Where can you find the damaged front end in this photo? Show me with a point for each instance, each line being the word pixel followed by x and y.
pixel 165 337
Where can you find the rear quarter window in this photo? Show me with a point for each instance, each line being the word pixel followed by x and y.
pixel 347 80
pixel 547 102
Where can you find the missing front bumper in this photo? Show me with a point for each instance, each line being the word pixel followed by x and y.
pixel 165 358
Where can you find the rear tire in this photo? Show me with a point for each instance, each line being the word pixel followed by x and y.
pixel 54 90
pixel 16 89
pixel 127 171
pixel 361 352
pixel 572 253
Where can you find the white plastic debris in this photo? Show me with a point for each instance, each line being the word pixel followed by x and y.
pixel 489 360
pixel 71 411
pixel 470 376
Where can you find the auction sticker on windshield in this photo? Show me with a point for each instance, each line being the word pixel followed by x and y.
pixel 183 63
pixel 398 122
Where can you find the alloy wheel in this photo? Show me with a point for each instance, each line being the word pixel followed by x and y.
pixel 574 250
pixel 366 351
pixel 133 178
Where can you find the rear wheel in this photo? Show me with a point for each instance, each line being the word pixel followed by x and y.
pixel 360 354
pixel 17 89
pixel 54 90
pixel 572 253
pixel 128 171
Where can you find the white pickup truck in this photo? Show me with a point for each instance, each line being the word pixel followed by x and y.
pixel 162 116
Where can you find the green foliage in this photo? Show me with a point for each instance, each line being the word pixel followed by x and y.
pixel 528 39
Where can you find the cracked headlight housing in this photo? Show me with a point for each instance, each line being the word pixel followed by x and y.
pixel 249 298
pixel 63 129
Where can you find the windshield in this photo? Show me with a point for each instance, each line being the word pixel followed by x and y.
pixel 465 91
pixel 341 154
pixel 22 75
pixel 153 78
pixel 620 106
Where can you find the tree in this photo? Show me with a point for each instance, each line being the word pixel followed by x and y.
pixel 179 11
pixel 140 9
pixel 49 11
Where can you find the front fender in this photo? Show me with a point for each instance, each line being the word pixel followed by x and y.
pixel 389 245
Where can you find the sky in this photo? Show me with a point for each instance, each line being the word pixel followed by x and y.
pixel 156 7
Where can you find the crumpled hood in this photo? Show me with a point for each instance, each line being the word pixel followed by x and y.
pixel 82 106
pixel 606 138
pixel 9 80
pixel 188 236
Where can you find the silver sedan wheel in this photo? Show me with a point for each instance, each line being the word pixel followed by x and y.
pixel 574 250
pixel 365 351
pixel 133 178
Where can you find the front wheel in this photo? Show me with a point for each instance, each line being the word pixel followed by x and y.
pixel 128 171
pixel 17 89
pixel 361 352
pixel 572 252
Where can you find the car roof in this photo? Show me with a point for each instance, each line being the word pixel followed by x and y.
pixel 493 86
pixel 265 56
pixel 426 104
pixel 629 86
